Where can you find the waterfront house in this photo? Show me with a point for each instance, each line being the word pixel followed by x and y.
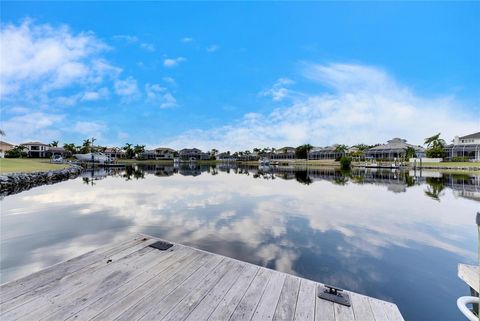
pixel 394 149
pixel 283 153
pixel 161 153
pixel 115 153
pixel 5 147
pixel 164 153
pixel 226 157
pixel 325 153
pixel 57 151
pixel 35 149
pixel 191 154
pixel 249 157
pixel 465 147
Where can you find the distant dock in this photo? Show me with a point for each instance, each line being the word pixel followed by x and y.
pixel 144 278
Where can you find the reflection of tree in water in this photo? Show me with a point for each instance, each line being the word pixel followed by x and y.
pixel 409 180
pixel 435 187
pixel 302 177
pixel 88 181
pixel 133 172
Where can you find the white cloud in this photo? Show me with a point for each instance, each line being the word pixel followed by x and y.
pixel 363 104
pixel 32 126
pixel 279 90
pixel 121 135
pixel 89 128
pixel 153 90
pixel 94 95
pixel 169 80
pixel 126 38
pixel 126 87
pixel 212 48
pixel 168 101
pixel 186 39
pixel 160 96
pixel 148 47
pixel 173 62
pixel 44 58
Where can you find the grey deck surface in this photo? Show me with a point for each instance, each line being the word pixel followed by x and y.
pixel 470 275
pixel 132 281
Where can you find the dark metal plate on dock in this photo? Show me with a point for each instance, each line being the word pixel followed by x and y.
pixel 160 245
pixel 331 293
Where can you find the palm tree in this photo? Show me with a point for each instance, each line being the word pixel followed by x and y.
pixel 2 133
pixel 54 143
pixel 435 146
pixel 70 148
pixel 341 149
pixel 137 149
pixel 128 150
pixel 86 146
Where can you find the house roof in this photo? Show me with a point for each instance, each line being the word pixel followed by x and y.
pixel 5 143
pixel 396 144
pixel 34 143
pixel 165 149
pixel 187 150
pixel 327 149
pixel 475 135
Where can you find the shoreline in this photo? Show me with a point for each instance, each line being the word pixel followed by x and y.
pixel 13 183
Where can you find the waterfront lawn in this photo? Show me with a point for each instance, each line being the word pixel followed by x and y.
pixel 451 164
pixel 22 165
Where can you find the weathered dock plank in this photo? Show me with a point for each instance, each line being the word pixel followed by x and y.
pixel 135 281
pixel 470 275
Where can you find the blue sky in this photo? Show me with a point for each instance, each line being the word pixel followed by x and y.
pixel 238 75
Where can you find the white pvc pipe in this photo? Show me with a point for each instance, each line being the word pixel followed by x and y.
pixel 462 305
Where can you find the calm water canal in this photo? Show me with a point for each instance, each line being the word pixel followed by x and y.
pixel 393 235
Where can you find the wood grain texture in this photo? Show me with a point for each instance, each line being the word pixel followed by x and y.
pixel 132 281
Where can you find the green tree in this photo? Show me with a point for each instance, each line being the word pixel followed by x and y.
pixel 410 153
pixel 54 143
pixel 129 153
pixel 435 146
pixel 345 162
pixel 70 148
pixel 301 152
pixel 341 149
pixel 2 133
pixel 18 151
pixel 138 149
pixel 86 146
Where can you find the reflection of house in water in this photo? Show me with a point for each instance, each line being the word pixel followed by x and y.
pixel 396 181
pixel 191 169
pixel 158 170
pixel 462 185
pixel 227 167
pixel 467 186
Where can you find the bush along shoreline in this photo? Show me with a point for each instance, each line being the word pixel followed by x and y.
pixel 13 183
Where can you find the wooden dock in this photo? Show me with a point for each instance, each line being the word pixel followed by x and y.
pixel 470 275
pixel 132 280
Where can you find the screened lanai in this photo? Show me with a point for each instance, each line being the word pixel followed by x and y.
pixel 467 151
pixel 395 148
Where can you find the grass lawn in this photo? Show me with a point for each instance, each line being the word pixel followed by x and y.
pixel 22 165
pixel 451 164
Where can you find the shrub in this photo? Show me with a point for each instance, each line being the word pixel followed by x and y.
pixel 345 162
pixel 460 159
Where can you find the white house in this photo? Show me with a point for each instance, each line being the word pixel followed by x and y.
pixel 466 147
pixel 36 149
